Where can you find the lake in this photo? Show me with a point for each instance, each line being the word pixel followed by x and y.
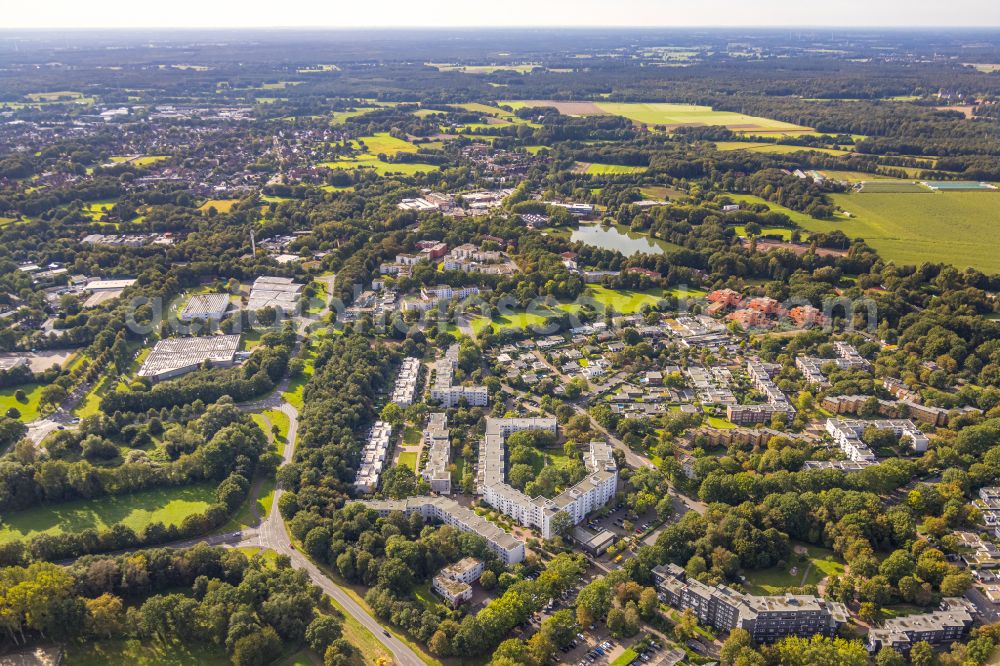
pixel 620 238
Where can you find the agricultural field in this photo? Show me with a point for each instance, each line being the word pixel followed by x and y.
pixel 381 144
pixel 339 117
pixel 775 148
pixel 596 169
pixel 139 160
pixel 220 205
pixel 482 69
pixel 169 506
pixel 953 227
pixel 671 116
pixel 893 187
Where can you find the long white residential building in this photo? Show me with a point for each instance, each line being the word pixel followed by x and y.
pixel 406 382
pixel 449 394
pixel 592 492
pixel 438 444
pixel 847 434
pixel 446 510
pixel 373 457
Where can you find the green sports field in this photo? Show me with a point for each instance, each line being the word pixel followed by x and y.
pixel 137 510
pixel 954 227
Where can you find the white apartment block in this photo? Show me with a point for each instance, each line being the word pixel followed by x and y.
pixel 847 433
pixel 591 493
pixel 406 382
pixel 448 394
pixel 373 457
pixel 438 444
pixel 446 510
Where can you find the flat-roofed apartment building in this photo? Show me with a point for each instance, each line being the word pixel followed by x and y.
pixel 449 394
pixel 454 582
pixel 438 444
pixel 446 510
pixel 206 307
pixel 280 293
pixel 373 457
pixel 941 627
pixel 847 434
pixel 406 382
pixel 766 618
pixel 173 357
pixel 591 493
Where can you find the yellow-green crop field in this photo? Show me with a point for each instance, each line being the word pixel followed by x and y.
pixel 775 148
pixel 953 227
pixel 596 169
pixel 669 115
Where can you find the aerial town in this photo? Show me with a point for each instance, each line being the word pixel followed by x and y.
pixel 600 352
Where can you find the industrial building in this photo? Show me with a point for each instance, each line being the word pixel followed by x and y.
pixel 279 293
pixel 176 356
pixel 206 307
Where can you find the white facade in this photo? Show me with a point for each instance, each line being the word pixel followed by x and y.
pixel 591 493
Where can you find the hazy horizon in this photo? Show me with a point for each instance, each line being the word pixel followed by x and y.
pixel 392 14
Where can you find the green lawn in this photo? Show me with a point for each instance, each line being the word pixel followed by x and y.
pixel 408 459
pixel 625 657
pixel 411 436
pixel 593 168
pixel 426 598
pixel 28 407
pixel 296 386
pixel 786 234
pixel 137 510
pixel 953 227
pixel 820 563
pixel 624 301
pixel 144 653
pixel 799 218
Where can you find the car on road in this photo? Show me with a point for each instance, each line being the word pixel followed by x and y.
pixel 385 632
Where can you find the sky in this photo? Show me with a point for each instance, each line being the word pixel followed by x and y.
pixel 493 13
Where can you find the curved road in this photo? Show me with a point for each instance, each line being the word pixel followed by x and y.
pixel 271 532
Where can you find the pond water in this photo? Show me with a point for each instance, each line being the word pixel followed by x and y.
pixel 621 238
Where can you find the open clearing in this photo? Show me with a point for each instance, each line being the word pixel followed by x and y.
pixel 954 227
pixel 481 69
pixel 169 506
pixel 28 407
pixel 381 143
pixel 775 148
pixel 669 115
pixel 817 564
pixel 220 205
pixel 595 169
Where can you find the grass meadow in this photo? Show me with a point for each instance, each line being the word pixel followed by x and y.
pixel 954 227
pixel 169 506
